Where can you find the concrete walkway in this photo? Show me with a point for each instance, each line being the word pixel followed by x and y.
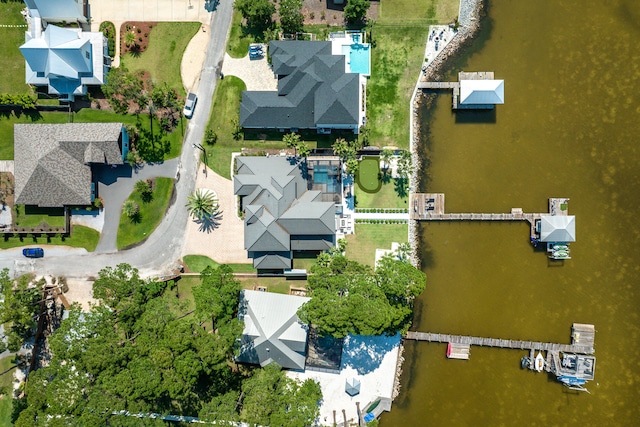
pixel 393 216
pixel 115 186
pixel 255 73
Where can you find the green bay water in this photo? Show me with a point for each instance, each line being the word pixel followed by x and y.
pixel 570 127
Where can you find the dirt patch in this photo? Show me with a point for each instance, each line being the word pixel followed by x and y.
pixel 327 12
pixel 139 40
pixel 80 291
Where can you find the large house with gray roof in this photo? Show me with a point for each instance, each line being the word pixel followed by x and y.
pixel 314 91
pixel 53 162
pixel 64 59
pixel 289 206
pixel 272 330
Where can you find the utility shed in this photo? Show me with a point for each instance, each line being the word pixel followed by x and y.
pixel 272 330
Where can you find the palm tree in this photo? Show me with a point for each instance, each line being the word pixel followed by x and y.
pixel 386 155
pixel 131 210
pixel 202 205
pixel 129 38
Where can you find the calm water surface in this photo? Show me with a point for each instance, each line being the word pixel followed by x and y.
pixel 570 127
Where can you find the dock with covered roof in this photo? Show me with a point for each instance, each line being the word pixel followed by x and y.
pixel 555 228
pixel 477 90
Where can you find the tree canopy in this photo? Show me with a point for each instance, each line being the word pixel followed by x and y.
pixel 143 350
pixel 258 13
pixel 18 308
pixel 351 298
pixel 356 11
pixel 291 17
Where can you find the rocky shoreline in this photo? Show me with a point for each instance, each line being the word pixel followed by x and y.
pixel 469 20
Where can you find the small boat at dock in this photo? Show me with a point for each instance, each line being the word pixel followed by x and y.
pixel 525 362
pixel 539 362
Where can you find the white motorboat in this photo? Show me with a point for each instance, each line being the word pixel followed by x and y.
pixel 539 362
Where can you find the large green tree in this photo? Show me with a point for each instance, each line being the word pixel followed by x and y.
pixel 291 18
pixel 351 298
pixel 139 350
pixel 258 13
pixel 273 399
pixel 356 11
pixel 19 307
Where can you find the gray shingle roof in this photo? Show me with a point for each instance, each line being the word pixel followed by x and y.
pixel 279 209
pixel 52 160
pixel 272 332
pixel 313 89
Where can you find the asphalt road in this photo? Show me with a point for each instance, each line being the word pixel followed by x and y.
pixel 160 252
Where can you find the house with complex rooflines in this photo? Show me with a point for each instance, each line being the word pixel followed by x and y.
pixel 272 330
pixel 314 91
pixel 53 162
pixel 64 59
pixel 289 206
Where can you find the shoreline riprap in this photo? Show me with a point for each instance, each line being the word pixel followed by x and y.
pixel 469 21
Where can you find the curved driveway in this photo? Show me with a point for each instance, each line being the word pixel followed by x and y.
pixel 163 248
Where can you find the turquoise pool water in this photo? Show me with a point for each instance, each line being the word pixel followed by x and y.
pixel 321 176
pixel 358 58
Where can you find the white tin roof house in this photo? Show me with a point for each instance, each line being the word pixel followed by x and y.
pixel 64 59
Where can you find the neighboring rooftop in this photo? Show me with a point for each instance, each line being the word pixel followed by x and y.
pixel 52 161
pixel 272 330
pixel 281 213
pixel 65 60
pixel 314 91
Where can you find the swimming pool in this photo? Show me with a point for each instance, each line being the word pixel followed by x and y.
pixel 358 58
pixel 321 176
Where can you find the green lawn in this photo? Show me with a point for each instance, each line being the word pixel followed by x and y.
pixel 368 175
pixel 362 245
pixel 239 37
pixel 12 77
pixel 151 213
pixel 81 237
pixel 197 263
pixel 167 42
pixel 387 197
pixel 6 386
pixel 172 142
pixel 418 12
pixel 32 216
pixel 279 285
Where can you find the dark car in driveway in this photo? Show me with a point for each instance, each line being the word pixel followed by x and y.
pixel 33 252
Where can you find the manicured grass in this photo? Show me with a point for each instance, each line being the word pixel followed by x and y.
pixel 362 245
pixel 32 216
pixel 395 64
pixel 12 77
pixel 387 197
pixel 197 263
pixel 171 146
pixel 167 42
pixel 151 213
pixel 279 285
pixel 185 290
pixel 81 237
pixel 304 263
pixel 418 12
pixel 6 387
pixel 368 176
pixel 239 37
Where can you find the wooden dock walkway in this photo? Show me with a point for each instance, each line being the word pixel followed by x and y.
pixel 583 345
pixel 438 85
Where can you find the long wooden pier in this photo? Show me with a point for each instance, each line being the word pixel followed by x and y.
pixel 582 341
